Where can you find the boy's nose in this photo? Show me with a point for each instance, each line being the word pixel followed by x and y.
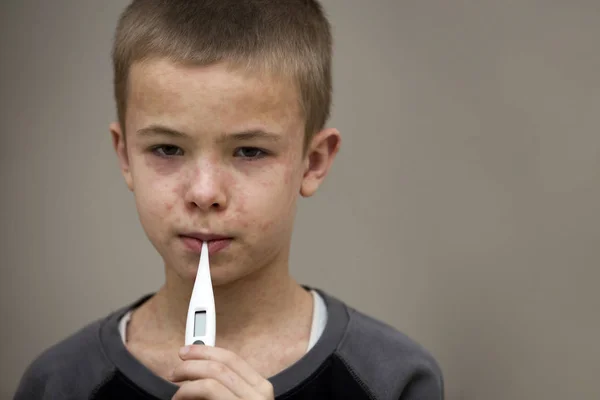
pixel 205 190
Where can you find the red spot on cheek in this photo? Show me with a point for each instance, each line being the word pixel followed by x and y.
pixel 240 218
pixel 241 203
pixel 266 226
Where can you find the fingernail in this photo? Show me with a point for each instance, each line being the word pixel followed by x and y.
pixel 184 350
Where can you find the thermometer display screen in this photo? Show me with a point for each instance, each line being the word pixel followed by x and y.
pixel 200 323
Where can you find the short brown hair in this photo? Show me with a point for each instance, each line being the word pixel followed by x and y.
pixel 291 38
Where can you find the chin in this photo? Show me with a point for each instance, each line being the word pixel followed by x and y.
pixel 227 267
pixel 222 273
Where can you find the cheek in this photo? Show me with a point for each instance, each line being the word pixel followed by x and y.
pixel 265 204
pixel 157 195
pixel 291 177
pixel 253 205
pixel 241 214
pixel 171 193
pixel 168 207
pixel 266 226
pixel 278 207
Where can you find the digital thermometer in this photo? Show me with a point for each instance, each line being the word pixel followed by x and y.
pixel 200 326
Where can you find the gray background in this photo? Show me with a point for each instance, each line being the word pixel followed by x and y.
pixel 464 207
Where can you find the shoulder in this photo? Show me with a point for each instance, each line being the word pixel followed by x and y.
pixel 390 364
pixel 385 343
pixel 67 369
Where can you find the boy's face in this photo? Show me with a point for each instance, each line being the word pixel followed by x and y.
pixel 212 154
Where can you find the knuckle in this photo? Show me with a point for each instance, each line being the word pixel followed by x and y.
pixel 229 358
pixel 217 369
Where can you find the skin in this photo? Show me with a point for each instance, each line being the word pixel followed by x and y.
pixel 196 173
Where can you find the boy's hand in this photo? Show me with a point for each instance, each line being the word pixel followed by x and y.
pixel 215 373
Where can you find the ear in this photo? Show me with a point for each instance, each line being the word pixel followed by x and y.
pixel 119 144
pixel 320 154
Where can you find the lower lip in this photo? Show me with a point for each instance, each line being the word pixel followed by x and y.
pixel 214 246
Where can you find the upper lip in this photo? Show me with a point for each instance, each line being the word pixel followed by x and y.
pixel 205 237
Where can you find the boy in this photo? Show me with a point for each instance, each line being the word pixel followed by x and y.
pixel 221 112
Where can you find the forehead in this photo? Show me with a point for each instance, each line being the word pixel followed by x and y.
pixel 209 97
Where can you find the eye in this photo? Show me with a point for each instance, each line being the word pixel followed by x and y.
pixel 250 152
pixel 166 150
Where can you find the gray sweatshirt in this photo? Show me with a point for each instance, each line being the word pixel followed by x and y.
pixel 356 357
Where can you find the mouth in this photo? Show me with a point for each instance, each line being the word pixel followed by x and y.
pixel 216 243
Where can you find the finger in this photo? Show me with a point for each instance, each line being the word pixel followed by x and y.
pixel 192 370
pixel 207 389
pixel 226 357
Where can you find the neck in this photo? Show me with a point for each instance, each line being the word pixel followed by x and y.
pixel 248 306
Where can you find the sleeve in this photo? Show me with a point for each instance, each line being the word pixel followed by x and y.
pixel 32 385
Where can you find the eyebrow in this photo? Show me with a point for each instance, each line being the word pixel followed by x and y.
pixel 249 135
pixel 160 130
